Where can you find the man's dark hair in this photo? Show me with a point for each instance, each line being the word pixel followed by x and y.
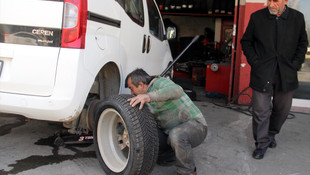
pixel 137 76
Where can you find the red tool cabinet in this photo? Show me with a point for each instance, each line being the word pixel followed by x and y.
pixel 218 81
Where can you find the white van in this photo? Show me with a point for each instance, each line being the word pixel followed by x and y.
pixel 61 57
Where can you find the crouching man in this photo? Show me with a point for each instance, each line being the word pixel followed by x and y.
pixel 175 113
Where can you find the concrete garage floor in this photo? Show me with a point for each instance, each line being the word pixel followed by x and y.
pixel 26 147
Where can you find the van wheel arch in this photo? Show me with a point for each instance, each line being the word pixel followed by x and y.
pixel 107 81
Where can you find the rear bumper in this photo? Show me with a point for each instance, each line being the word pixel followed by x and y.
pixel 42 108
pixel 72 85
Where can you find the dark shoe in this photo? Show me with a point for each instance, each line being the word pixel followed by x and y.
pixel 166 162
pixel 273 144
pixel 259 153
pixel 166 159
pixel 193 173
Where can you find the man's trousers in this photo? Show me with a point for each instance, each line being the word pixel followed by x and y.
pixel 270 111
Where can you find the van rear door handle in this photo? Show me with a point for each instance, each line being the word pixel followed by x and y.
pixel 144 44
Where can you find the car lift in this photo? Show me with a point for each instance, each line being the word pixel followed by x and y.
pixel 65 138
pixel 80 131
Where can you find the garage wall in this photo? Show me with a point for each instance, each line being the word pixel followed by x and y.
pixel 191 25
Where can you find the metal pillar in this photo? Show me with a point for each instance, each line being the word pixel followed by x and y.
pixel 240 69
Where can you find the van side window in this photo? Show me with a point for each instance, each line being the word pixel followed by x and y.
pixel 156 25
pixel 134 9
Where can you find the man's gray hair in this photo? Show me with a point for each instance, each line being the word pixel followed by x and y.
pixel 138 75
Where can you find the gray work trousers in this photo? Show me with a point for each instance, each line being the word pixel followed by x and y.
pixel 269 116
pixel 182 139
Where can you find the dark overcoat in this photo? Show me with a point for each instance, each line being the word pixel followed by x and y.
pixel 271 42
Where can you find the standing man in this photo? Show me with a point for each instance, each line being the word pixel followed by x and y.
pixel 174 112
pixel 274 43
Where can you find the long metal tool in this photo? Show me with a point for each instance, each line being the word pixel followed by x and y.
pixel 176 59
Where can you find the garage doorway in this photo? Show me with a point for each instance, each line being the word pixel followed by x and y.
pixel 301 101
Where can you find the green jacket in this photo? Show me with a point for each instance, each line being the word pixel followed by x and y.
pixel 170 105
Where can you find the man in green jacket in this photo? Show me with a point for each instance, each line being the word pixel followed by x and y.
pixel 176 115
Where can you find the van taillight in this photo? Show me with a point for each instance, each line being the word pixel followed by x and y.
pixel 74 24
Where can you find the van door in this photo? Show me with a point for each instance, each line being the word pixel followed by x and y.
pixel 142 37
pixel 29 45
pixel 133 35
pixel 158 49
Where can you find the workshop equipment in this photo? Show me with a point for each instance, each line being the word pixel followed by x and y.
pixel 217 78
pixel 178 57
pixel 64 138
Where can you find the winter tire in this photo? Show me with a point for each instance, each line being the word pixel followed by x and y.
pixel 125 138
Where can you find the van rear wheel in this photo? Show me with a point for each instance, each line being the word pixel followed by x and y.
pixel 126 138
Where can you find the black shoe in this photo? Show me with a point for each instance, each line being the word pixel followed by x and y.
pixel 166 163
pixel 259 153
pixel 166 159
pixel 273 144
pixel 193 173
